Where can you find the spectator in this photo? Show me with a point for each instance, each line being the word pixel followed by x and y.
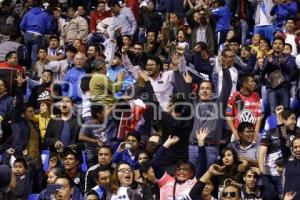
pixel 128 151
pixel 102 88
pixel 34 30
pixel 55 53
pixel 251 189
pixel 208 119
pixel 53 174
pixel 121 184
pixel 148 178
pixel 13 44
pixel 41 64
pixel 23 169
pixel 22 122
pixel 6 111
pixel 96 17
pixel 73 78
pixel 9 70
pixel 222 14
pixel 244 106
pixel 270 149
pixel 71 163
pixel 279 69
pixel 150 19
pixel 63 131
pixel 263 18
pixel 246 147
pixel 105 156
pixel 67 189
pixel 8 21
pixel 93 134
pixel 76 28
pixel 42 91
pixel 291 167
pixel 124 22
pixel 202 30
pixel 184 173
pixel 103 179
pixel 7 182
pixel 290 37
pixel 67 63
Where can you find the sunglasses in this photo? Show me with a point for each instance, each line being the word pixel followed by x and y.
pixel 229 194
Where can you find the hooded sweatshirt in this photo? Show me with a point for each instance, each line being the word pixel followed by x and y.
pixel 37 21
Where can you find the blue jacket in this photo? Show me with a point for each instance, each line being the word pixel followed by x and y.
pixel 6 106
pixel 223 17
pixel 73 77
pixel 112 74
pixel 36 20
pixel 125 157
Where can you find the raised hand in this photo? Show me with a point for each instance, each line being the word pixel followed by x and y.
pixel 171 141
pixel 201 135
pixel 289 195
pixel 187 77
pixel 20 80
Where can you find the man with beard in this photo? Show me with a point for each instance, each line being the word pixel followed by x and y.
pixel 93 53
pixel 42 91
pixel 137 56
pixel 202 31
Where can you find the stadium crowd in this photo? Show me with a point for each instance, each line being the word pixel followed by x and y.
pixel 149 99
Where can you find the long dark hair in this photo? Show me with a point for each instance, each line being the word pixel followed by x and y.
pixel 231 169
pixel 115 183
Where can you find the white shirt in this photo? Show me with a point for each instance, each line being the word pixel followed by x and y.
pixel 234 77
pixel 290 38
pixel 121 194
pixel 163 87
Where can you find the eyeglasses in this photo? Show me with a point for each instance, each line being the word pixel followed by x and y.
pixel 229 194
pixel 125 171
pixel 184 169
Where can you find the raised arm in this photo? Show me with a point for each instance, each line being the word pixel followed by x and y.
pixel 158 171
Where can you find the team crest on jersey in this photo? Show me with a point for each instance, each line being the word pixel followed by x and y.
pixel 247 116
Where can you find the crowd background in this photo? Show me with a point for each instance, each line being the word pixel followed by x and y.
pixel 149 99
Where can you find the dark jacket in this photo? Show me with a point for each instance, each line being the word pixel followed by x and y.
pixel 6 106
pixel 55 127
pixel 286 64
pixel 209 30
pixel 20 126
pixel 177 127
pixel 38 92
pixel 150 20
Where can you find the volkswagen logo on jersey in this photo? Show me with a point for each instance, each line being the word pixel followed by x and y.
pixel 247 116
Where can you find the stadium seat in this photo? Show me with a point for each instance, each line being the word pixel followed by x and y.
pixel 33 197
pixel 45 159
pixel 84 164
pixel 294 103
pixel 271 122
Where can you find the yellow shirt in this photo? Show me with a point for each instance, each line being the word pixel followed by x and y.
pixel 42 123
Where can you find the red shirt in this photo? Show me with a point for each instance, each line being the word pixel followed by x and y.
pixel 17 67
pixel 244 108
pixel 96 17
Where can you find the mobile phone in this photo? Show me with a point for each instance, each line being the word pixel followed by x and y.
pixel 53 188
pixel 128 146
